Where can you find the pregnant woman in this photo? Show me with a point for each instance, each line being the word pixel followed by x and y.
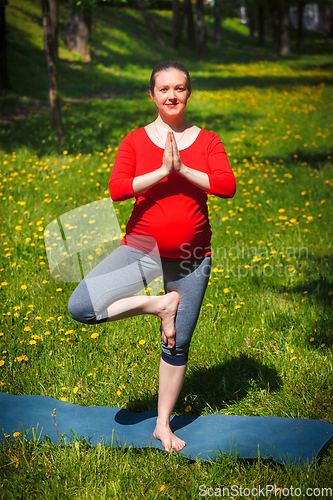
pixel 169 167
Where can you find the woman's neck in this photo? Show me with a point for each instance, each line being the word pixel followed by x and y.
pixel 176 124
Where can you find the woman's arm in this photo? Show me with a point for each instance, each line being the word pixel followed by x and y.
pixel 220 180
pixel 198 178
pixel 123 182
pixel 146 181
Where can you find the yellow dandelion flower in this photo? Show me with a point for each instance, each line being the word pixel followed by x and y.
pixel 226 290
pixel 2 362
pixel 89 374
pixel 142 341
pixel 16 434
pixel 118 393
pixel 292 358
pixel 75 390
pixel 94 335
pixel 188 408
pixel 135 365
pixel 63 399
pixel 209 305
pixel 237 307
pixel 32 342
pixel 59 290
pixel 24 287
pixel 27 329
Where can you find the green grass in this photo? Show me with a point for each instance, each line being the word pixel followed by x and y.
pixel 263 345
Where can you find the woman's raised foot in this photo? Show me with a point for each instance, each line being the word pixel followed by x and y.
pixel 167 313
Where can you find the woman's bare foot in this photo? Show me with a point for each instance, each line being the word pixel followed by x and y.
pixel 167 313
pixel 169 440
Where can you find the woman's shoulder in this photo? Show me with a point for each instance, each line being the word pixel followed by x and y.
pixel 134 138
pixel 209 135
pixel 208 139
pixel 135 134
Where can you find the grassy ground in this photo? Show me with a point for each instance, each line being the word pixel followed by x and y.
pixel 263 345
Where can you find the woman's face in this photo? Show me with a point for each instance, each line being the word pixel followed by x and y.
pixel 170 92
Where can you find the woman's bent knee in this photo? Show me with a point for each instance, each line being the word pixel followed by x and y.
pixel 80 306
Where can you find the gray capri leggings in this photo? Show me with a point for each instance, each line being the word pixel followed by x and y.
pixel 125 272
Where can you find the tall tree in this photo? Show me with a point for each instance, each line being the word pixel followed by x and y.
pixel 78 28
pixel 177 23
pixel 276 22
pixel 285 29
pixel 54 15
pixel 261 23
pixel 52 71
pixel 190 27
pixel 152 26
pixel 250 13
pixel 201 28
pixel 326 11
pixel 300 31
pixel 4 78
pixel 217 23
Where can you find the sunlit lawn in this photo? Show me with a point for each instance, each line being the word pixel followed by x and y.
pixel 263 345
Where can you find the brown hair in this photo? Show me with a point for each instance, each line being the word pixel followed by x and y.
pixel 166 65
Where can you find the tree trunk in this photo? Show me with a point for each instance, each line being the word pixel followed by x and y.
pixel 52 70
pixel 276 21
pixel 4 79
pixel 78 31
pixel 285 26
pixel 177 23
pixel 188 13
pixel 327 22
pixel 217 23
pixel 152 26
pixel 201 27
pixel 251 23
pixel 261 25
pixel 54 16
pixel 250 13
pixel 300 31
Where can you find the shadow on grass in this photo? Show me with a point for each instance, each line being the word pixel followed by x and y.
pixel 217 386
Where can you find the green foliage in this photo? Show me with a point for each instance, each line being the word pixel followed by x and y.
pixel 263 345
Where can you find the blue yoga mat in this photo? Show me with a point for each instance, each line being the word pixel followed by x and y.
pixel 286 440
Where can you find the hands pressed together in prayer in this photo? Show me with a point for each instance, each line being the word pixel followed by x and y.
pixel 171 157
pixel 171 161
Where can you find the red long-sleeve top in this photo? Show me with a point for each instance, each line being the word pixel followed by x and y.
pixel 174 211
